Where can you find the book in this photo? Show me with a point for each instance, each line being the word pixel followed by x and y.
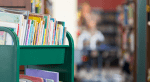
pixel 13 18
pixel 30 78
pixel 28 31
pixel 62 32
pixel 2 37
pixel 43 74
pixel 52 31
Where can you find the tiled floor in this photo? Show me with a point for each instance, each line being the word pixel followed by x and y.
pixel 105 75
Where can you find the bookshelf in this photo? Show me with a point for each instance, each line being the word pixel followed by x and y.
pixel 17 4
pixel 58 58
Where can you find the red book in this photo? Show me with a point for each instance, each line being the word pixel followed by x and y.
pixel 18 30
pixel 31 78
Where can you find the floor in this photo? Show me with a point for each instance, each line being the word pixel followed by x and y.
pixel 103 75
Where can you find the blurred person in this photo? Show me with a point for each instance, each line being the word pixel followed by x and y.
pixel 87 25
pixel 84 13
pixel 89 38
pixel 91 35
pixel 84 16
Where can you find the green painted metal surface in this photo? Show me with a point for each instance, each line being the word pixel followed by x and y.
pixel 9 59
pixel 66 70
pixel 141 41
pixel 39 55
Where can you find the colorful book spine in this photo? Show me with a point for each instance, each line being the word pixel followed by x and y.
pixel 32 34
pixel 53 28
pixel 63 34
pixel 54 35
pixel 35 33
pixel 45 31
pixel 28 30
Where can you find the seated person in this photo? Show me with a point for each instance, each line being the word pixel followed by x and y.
pixel 90 37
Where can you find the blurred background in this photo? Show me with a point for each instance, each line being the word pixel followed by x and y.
pixel 103 32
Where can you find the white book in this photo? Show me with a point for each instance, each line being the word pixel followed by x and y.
pixel 13 26
pixel 51 32
pixel 23 32
pixel 61 33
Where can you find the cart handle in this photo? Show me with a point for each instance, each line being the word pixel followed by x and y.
pixel 12 34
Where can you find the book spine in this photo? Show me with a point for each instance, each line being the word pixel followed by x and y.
pixel 35 34
pixel 63 34
pixel 28 31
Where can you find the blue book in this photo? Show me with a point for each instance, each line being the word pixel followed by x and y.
pixel 30 33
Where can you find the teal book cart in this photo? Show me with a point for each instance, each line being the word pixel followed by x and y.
pixel 57 58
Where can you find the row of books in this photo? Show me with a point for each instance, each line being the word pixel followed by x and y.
pixel 31 28
pixel 35 75
pixel 125 14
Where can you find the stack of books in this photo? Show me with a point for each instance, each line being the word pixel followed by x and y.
pixel 35 75
pixel 31 28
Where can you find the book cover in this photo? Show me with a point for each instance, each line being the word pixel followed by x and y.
pixel 54 35
pixel 60 34
pixel 48 30
pixel 30 30
pixel 50 33
pixel 30 78
pixel 64 36
pixel 13 18
pixel 43 74
pixel 29 25
pixel 20 32
pixel 52 30
pixel 62 31
pixel 2 38
pixel 35 33
pixel 44 31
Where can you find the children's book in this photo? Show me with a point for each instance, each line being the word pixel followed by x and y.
pixel 43 74
pixel 30 78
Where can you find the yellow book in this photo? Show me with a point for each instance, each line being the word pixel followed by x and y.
pixel 37 3
pixel 57 32
pixel 35 33
pixel 38 19
pixel 31 1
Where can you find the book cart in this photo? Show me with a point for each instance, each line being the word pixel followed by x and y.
pixel 57 58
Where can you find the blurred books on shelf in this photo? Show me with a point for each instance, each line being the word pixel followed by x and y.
pixel 33 29
pixel 42 6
